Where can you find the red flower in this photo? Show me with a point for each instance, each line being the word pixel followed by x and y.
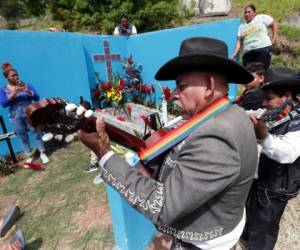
pixel 138 85
pixel 146 120
pixel 129 109
pixel 121 118
pixel 122 82
pixel 152 87
pixel 121 85
pixel 106 85
pixel 167 93
pixel 149 90
pixel 96 93
pixel 129 60
pixel 34 166
pixel 144 88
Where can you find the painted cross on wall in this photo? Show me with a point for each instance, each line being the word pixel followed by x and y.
pixel 107 58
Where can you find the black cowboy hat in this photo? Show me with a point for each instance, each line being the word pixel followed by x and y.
pixel 281 77
pixel 205 54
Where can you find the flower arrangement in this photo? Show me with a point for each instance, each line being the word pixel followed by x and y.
pixel 127 89
pixel 167 93
pixel 110 94
pixel 172 108
pixel 142 94
pixel 138 92
pixel 132 70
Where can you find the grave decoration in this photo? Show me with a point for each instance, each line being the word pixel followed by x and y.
pixel 172 108
pixel 128 102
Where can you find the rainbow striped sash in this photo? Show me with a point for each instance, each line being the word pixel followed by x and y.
pixel 177 135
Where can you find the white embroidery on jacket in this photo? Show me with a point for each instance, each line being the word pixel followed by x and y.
pixel 170 162
pixel 180 145
pixel 192 236
pixel 153 206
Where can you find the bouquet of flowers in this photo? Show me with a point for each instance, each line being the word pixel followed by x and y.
pixel 110 94
pixel 172 108
pixel 132 71
pixel 118 93
pixel 138 92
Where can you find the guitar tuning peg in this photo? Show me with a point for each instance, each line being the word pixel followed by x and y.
pixel 58 137
pixel 69 138
pixel 88 114
pixel 70 107
pixel 80 111
pixel 47 137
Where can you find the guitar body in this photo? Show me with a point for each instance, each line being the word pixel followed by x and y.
pixel 44 112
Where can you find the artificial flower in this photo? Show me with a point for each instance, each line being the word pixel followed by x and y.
pixel 167 93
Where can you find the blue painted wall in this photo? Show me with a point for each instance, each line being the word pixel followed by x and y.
pixel 61 65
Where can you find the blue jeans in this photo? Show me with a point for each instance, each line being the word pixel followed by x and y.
pixel 20 126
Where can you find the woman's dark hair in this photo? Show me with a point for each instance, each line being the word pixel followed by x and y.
pixel 251 6
pixel 6 72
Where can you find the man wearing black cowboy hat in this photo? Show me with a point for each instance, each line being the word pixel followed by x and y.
pixel 204 180
pixel 278 177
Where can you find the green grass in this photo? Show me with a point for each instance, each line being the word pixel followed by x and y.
pixel 279 9
pixel 290 32
pixel 54 200
pixel 287 61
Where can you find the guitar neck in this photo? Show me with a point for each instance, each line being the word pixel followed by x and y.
pixel 122 133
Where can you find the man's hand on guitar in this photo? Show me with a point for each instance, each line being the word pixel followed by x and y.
pixel 99 141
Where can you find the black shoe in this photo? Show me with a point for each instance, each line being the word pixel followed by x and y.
pixel 91 168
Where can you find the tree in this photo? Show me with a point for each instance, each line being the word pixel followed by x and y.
pixel 62 10
pixel 104 15
pixel 11 10
pixel 35 7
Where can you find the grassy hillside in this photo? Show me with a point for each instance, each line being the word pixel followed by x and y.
pixel 276 8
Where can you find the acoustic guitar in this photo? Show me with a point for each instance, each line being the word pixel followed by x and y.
pixel 56 111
